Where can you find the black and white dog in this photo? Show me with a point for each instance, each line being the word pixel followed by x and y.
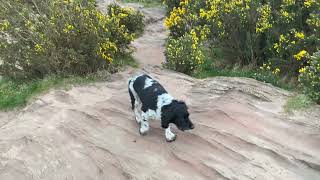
pixel 156 103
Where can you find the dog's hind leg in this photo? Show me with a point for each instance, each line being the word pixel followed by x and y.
pixel 144 124
pixel 135 102
pixel 136 111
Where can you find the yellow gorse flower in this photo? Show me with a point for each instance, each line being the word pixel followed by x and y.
pixel 301 55
pixel 286 15
pixel 174 17
pixel 99 15
pixel 299 35
pixel 122 15
pixel 194 36
pixel 276 47
pixel 263 22
pixel 68 28
pixel 106 50
pixel 282 40
pixel 184 2
pixel 28 23
pixel 38 48
pixel 309 3
pixel 4 25
pixel 68 1
pixel 302 70
pixel 289 2
pixel 276 71
pixel 78 9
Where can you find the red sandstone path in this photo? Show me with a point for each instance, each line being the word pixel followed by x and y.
pixel 89 132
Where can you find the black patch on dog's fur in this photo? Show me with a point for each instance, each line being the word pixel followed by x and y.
pixel 148 96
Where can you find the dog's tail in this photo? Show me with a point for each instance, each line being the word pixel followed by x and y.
pixel 131 94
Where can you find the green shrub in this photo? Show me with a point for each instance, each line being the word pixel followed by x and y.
pixel 183 54
pixel 133 20
pixel 213 66
pixel 252 32
pixel 309 77
pixel 41 37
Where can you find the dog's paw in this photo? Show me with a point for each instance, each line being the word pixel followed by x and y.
pixel 142 133
pixel 173 138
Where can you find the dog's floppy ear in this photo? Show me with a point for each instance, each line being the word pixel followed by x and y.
pixel 183 103
pixel 167 115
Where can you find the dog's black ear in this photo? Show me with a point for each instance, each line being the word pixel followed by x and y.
pixel 183 103
pixel 167 115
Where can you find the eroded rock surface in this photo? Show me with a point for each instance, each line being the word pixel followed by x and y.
pixel 89 132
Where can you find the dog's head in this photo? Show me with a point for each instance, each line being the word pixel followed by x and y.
pixel 178 114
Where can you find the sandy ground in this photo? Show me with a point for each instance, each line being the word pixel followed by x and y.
pixel 89 132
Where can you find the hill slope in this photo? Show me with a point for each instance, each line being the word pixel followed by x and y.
pixel 89 132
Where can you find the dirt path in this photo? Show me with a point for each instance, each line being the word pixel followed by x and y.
pixel 89 132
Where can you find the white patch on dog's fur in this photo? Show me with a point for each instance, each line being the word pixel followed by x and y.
pixel 136 112
pixel 144 127
pixel 148 82
pixel 150 114
pixel 163 99
pixel 170 136
pixel 137 104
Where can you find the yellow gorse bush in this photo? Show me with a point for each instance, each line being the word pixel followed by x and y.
pixel 309 77
pixel 63 37
pixel 250 32
pixel 183 54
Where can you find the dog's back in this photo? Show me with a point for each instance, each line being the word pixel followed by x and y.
pixel 146 89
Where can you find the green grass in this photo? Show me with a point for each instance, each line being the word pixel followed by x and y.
pixel 146 3
pixel 267 78
pixel 209 69
pixel 127 60
pixel 16 93
pixel 298 102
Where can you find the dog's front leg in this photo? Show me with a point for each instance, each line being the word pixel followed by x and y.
pixel 170 136
pixel 144 124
